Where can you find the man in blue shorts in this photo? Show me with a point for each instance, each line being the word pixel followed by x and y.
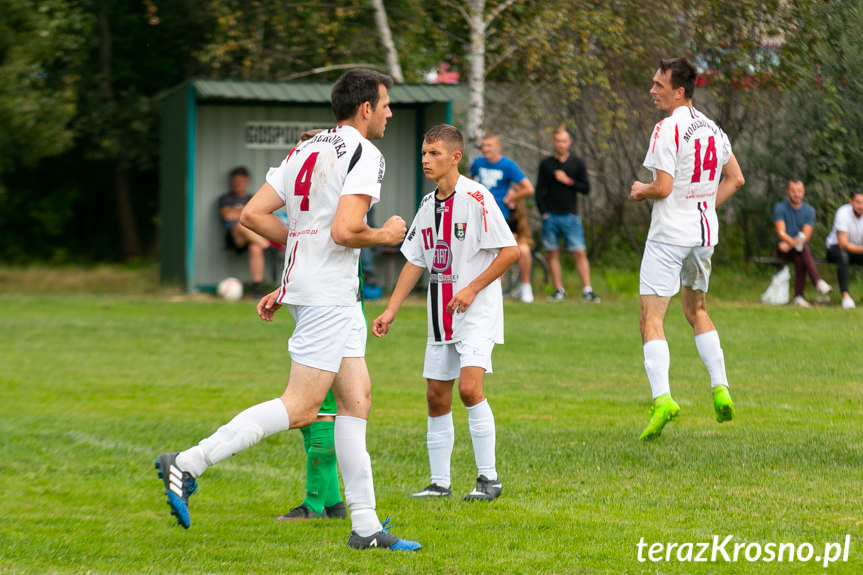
pixel 561 178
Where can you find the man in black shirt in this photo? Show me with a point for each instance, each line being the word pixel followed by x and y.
pixel 561 177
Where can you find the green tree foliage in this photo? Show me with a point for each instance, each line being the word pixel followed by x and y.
pixel 79 81
pixel 279 40
pixel 91 99
pixel 40 43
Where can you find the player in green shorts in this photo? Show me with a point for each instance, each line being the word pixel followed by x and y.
pixel 323 498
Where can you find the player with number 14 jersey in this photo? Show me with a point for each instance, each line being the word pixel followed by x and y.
pixel 693 149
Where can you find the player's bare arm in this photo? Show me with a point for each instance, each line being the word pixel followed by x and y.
pixel 732 179
pixel 258 215
pixel 268 305
pixel 658 189
pixel 462 300
pixel 408 278
pixel 350 230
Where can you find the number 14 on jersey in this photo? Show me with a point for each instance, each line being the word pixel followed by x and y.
pixel 709 162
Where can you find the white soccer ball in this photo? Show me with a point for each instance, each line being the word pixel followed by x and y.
pixel 230 289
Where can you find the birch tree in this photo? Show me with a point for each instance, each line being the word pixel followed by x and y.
pixel 478 23
pixel 391 55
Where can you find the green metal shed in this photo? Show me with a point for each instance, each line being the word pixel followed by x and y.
pixel 208 127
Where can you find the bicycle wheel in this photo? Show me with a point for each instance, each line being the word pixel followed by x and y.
pixel 539 271
pixel 510 280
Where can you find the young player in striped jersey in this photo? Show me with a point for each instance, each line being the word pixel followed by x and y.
pixel 327 185
pixel 687 154
pixel 461 237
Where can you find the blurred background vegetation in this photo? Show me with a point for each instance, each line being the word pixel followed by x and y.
pixel 80 82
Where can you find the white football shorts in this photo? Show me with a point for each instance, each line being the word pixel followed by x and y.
pixel 664 268
pixel 444 362
pixel 326 334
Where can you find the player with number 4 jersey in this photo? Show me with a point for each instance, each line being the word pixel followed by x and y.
pixel 310 181
pixel 327 184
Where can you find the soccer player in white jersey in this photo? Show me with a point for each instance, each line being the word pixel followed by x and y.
pixel 460 235
pixel 687 154
pixel 327 185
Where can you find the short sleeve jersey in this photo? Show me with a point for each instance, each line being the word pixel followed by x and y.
pixel 794 219
pixel 456 239
pixel 693 149
pixel 497 178
pixel 846 221
pixel 332 164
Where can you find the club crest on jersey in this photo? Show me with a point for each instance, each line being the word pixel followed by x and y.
pixel 459 231
pixel 442 257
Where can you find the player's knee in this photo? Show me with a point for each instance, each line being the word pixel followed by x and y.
pixel 470 394
pixel 439 398
pixel 302 419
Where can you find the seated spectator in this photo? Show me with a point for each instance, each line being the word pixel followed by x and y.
pixel 794 220
pixel 237 236
pixel 845 242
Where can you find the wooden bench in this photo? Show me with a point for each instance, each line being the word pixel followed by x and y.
pixel 776 261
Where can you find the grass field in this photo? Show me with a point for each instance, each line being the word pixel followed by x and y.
pixel 94 386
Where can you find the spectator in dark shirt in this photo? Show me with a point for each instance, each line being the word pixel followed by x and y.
pixel 561 178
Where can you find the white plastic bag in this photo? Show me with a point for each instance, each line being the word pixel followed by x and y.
pixel 777 293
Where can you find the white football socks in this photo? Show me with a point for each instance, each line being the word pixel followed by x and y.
pixel 710 350
pixel 245 430
pixel 657 361
pixel 356 468
pixel 480 420
pixel 440 438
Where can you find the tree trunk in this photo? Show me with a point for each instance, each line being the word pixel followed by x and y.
pixel 390 52
pixel 476 77
pixel 130 242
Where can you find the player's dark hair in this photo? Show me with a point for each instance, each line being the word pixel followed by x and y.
pixel 683 74
pixel 854 192
pixel 450 136
pixel 354 88
pixel 240 171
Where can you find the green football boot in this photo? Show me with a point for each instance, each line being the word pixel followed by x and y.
pixel 722 404
pixel 663 411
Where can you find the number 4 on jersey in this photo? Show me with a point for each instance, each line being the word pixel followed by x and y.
pixel 709 163
pixel 303 183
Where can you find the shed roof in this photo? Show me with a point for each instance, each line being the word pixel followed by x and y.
pixel 317 93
